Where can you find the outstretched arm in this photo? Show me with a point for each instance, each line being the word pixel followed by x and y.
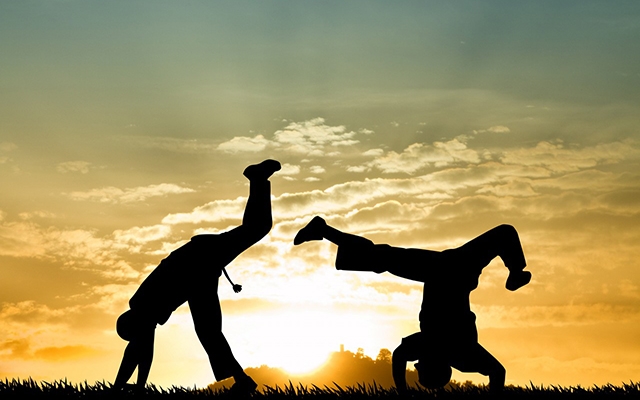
pixel 481 361
pixel 138 353
pixel 399 368
pixel 145 357
pixel 127 366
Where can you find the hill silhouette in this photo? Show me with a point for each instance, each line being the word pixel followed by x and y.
pixel 344 368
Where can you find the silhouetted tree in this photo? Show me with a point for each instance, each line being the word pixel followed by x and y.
pixel 384 356
pixel 344 368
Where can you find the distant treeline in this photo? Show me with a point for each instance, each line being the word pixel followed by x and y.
pixel 343 368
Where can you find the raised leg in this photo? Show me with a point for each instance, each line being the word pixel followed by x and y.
pixel 502 241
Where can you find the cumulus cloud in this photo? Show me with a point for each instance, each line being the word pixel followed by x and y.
pixel 289 169
pixel 311 135
pixel 73 166
pixel 243 143
pixel 373 152
pixel 494 129
pixel 311 138
pixel 358 168
pixel 112 194
pixel 316 169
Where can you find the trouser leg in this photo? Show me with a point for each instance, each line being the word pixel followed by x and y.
pixel 207 320
pixel 256 223
pixel 257 212
pixel 501 241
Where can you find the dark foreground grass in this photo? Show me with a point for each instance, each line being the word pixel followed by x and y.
pixel 30 389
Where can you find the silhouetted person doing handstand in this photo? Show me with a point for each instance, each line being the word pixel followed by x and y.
pixel 448 336
pixel 190 274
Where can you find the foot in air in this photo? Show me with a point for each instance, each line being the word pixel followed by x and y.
pixel 262 171
pixel 313 231
pixel 516 280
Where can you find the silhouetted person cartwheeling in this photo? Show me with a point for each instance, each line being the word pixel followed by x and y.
pixel 190 274
pixel 448 336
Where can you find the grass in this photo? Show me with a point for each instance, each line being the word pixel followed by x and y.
pixel 30 389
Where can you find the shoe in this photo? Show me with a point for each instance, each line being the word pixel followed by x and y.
pixel 516 280
pixel 310 232
pixel 263 170
pixel 244 386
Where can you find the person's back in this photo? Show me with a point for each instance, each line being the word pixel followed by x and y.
pixel 445 315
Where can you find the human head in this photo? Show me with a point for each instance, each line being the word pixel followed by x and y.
pixel 433 374
pixel 131 324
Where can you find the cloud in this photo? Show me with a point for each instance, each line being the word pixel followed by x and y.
pixel 559 158
pixel 65 353
pixel 243 143
pixel 373 152
pixel 75 248
pixel 418 156
pixel 494 129
pixel 171 144
pixel 141 235
pixel 519 188
pixel 112 194
pixel 73 166
pixel 316 169
pixel 7 146
pixel 288 169
pixel 22 348
pixel 553 315
pixel 358 168
pixel 312 135
pixel 312 138
pixel 35 214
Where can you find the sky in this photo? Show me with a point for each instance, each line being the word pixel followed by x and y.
pixel 125 127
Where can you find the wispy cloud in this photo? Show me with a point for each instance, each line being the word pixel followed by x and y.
pixel 73 166
pixel 558 157
pixel 111 194
pixel 171 144
pixel 418 156
pixel 7 146
pixel 140 235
